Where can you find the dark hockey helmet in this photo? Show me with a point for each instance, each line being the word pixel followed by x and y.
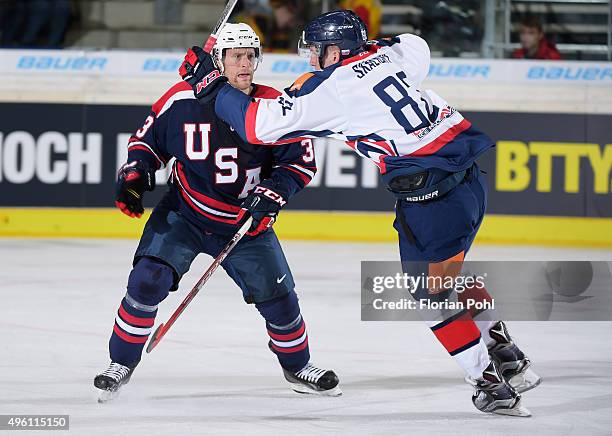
pixel 341 28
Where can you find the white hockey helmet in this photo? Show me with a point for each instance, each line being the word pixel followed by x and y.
pixel 239 35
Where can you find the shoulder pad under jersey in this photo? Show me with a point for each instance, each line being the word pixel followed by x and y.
pixel 297 85
pixel 179 91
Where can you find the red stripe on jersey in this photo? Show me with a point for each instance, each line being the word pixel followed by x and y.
pixel 288 336
pixel 352 144
pixel 134 320
pixel 207 215
pixel 129 338
pixel 443 139
pixel 458 333
pixel 267 92
pixel 224 207
pixel 386 146
pixel 143 148
pixel 249 128
pixel 361 56
pixel 139 147
pixel 292 349
pixel 303 176
pixel 178 87
pixel 381 144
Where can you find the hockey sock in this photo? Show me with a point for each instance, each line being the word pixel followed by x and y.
pixel 461 338
pixel 287 331
pixel 484 318
pixel 148 284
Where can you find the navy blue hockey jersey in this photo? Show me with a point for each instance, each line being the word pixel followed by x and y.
pixel 214 169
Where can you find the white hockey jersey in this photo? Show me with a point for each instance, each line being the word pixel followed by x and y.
pixel 373 102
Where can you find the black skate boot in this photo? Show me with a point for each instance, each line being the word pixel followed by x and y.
pixel 313 380
pixel 115 376
pixel 493 395
pixel 514 366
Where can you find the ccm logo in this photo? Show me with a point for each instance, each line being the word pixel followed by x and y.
pixel 277 198
pixel 429 196
pixel 206 80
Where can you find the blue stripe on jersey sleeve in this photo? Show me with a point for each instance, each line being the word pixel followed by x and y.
pixel 231 106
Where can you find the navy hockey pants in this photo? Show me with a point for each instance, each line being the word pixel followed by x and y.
pixel 168 246
pixel 435 231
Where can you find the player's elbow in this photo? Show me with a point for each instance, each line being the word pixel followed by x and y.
pixel 416 43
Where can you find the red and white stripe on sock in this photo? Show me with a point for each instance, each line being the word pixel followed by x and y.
pixel 290 343
pixel 134 325
pixel 290 338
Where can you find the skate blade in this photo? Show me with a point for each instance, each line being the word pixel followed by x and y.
pixel 107 396
pixel 517 410
pixel 525 381
pixel 301 389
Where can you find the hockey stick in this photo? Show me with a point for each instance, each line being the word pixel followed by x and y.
pixel 212 39
pixel 163 328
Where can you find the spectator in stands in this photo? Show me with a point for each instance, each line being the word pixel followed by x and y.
pixel 35 23
pixel 12 14
pixel 278 23
pixel 534 44
pixel 369 11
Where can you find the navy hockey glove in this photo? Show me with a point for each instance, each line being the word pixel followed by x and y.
pixel 133 179
pixel 383 42
pixel 263 204
pixel 200 72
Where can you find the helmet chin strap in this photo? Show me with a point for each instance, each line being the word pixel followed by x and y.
pixel 218 61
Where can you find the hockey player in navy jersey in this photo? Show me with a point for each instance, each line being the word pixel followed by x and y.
pixel 216 177
pixel 369 95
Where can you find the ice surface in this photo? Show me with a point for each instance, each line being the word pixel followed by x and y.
pixel 213 373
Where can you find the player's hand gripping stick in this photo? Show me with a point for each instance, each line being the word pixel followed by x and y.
pixel 198 68
pixel 263 204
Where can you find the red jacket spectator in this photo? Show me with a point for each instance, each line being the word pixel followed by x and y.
pixel 534 44
pixel 546 50
pixel 369 11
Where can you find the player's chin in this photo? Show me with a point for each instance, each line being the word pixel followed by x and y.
pixel 244 80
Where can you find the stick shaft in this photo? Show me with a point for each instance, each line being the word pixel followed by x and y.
pixel 163 328
pixel 212 39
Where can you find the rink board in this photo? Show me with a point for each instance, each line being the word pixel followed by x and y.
pixel 63 135
pixel 308 225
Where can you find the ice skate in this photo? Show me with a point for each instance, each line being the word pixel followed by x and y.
pixel 111 380
pixel 493 395
pixel 313 380
pixel 514 366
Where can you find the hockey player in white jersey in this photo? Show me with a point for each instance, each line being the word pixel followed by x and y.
pixel 369 95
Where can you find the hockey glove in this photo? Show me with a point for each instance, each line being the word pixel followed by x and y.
pixel 383 42
pixel 200 72
pixel 263 204
pixel 133 179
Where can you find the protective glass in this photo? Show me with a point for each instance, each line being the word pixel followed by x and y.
pixel 306 49
pixel 255 58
